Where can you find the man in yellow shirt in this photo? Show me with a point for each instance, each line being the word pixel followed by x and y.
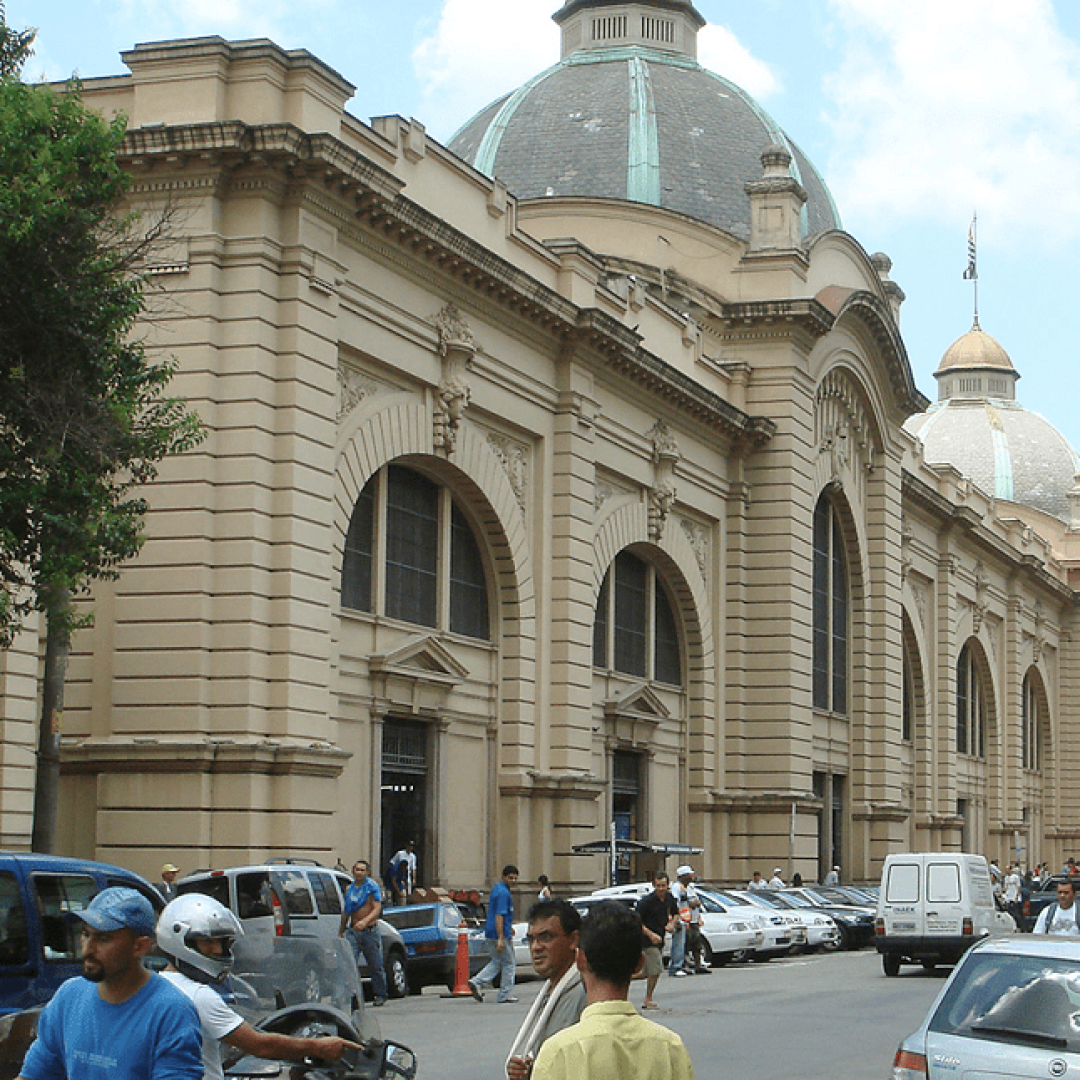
pixel 611 1041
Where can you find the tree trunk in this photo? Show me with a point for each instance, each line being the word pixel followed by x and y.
pixel 57 650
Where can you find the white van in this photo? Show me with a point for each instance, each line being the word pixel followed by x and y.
pixel 933 907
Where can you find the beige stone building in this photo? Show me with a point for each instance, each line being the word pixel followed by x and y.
pixel 555 479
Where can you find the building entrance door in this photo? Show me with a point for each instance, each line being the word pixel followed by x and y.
pixel 405 794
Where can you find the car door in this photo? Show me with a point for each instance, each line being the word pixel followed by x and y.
pixel 59 897
pixel 20 950
pixel 944 899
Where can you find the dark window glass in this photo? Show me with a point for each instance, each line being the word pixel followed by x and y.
pixel 60 895
pixel 14 941
pixel 821 605
pixel 839 621
pixel 217 888
pixel 907 701
pixel 667 657
pixel 412 547
pixel 631 614
pixel 358 565
pixel 468 584
pixel 294 887
pixel 327 899
pixel 962 702
pixel 600 626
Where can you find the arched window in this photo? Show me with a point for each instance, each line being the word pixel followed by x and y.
pixel 970 706
pixel 635 631
pixel 830 611
pixel 1032 723
pixel 410 554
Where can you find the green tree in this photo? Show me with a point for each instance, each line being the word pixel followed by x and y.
pixel 84 415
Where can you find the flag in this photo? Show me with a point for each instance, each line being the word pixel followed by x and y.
pixel 972 272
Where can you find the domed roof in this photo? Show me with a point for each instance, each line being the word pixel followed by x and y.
pixel 978 427
pixel 628 113
pixel 975 350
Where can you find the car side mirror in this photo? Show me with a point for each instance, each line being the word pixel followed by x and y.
pixel 384 1061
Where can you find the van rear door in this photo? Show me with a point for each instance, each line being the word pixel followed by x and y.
pixel 944 898
pixel 901 896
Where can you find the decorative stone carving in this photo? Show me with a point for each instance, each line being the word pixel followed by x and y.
pixel 845 444
pixel 457 348
pixel 919 593
pixel 907 536
pixel 515 461
pixel 662 493
pixel 978 613
pixel 698 536
pixel 353 387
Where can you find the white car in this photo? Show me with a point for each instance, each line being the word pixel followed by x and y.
pixel 780 934
pixel 1009 1009
pixel 820 930
pixel 728 935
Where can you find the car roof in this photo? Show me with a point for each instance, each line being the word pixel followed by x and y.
pixel 1058 946
pixel 256 867
pixel 31 861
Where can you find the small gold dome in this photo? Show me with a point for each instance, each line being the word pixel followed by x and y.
pixel 975 350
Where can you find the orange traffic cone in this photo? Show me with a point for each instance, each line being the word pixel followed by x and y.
pixel 461 973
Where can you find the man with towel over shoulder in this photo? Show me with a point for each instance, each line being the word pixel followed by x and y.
pixel 554 926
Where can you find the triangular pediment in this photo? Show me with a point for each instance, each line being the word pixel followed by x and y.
pixel 641 702
pixel 423 657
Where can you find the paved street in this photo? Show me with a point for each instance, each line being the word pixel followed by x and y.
pixel 830 1017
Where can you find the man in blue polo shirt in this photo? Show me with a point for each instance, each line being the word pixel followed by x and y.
pixel 499 932
pixel 359 925
pixel 120 1021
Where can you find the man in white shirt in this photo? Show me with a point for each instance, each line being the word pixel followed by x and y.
pixel 757 881
pixel 1064 916
pixel 776 881
pixel 196 934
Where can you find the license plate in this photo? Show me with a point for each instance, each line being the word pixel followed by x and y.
pixel 903 927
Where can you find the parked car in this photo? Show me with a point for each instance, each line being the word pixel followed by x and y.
pixel 934 906
pixel 299 900
pixel 38 940
pixel 820 929
pixel 778 934
pixel 727 935
pixel 430 934
pixel 854 921
pixel 1009 1009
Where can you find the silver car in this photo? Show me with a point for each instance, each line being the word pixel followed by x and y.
pixel 1010 1008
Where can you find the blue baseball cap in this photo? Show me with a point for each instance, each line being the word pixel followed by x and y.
pixel 120 909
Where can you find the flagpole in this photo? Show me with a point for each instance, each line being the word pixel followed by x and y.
pixel 972 272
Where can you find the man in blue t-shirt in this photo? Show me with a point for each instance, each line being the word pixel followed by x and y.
pixel 499 932
pixel 360 925
pixel 120 1021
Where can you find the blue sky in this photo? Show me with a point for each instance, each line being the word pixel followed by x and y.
pixel 917 113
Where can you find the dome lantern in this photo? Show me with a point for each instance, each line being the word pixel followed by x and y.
pixel 666 25
pixel 975 366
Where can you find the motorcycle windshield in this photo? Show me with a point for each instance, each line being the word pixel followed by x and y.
pixel 269 974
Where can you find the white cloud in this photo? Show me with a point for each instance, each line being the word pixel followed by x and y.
pixel 939 108
pixel 479 50
pixel 721 51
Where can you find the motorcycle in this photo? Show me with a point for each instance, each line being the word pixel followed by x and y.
pixel 302 987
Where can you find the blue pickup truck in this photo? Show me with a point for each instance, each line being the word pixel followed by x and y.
pixel 40 898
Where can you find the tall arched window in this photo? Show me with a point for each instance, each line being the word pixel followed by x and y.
pixel 1032 723
pixel 970 706
pixel 635 631
pixel 830 611
pixel 410 554
pixel 907 705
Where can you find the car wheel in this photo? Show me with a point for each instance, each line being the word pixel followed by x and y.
pixel 397 982
pixel 740 956
pixel 890 964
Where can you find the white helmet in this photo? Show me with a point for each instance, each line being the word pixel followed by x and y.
pixel 189 918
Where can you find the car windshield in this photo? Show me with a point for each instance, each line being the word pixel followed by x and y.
pixel 1033 1000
